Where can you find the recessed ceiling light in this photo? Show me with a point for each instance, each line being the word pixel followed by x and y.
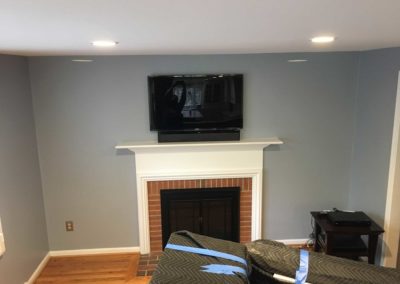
pixel 297 60
pixel 104 43
pixel 323 39
pixel 82 60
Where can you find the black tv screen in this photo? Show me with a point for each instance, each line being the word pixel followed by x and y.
pixel 195 102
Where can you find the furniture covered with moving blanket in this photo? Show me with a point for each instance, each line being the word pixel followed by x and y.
pixel 196 259
pixel 270 257
pixel 191 258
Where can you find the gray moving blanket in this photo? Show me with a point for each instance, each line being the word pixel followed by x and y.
pixel 177 266
pixel 264 257
pixel 269 257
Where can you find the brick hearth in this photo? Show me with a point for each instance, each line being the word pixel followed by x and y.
pixel 154 200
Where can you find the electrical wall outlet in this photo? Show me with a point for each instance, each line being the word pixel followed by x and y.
pixel 69 226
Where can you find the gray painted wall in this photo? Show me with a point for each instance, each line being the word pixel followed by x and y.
pixel 21 201
pixel 83 110
pixel 376 97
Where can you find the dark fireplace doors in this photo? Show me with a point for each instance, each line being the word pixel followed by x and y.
pixel 208 211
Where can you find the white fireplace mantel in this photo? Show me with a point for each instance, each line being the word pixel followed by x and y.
pixel 240 144
pixel 197 160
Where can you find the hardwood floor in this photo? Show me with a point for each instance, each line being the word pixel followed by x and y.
pixel 105 268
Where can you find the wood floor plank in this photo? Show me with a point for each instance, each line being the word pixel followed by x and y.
pixel 105 268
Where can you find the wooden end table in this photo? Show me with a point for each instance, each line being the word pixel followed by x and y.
pixel 345 241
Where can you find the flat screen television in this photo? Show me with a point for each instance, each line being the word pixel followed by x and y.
pixel 196 102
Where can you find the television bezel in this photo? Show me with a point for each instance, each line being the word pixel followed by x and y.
pixel 152 103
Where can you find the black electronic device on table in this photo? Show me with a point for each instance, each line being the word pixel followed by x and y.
pixel 349 218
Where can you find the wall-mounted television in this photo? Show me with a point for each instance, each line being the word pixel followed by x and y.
pixel 196 102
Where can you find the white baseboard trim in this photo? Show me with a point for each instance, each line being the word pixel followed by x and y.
pixel 294 241
pixel 93 251
pixel 39 269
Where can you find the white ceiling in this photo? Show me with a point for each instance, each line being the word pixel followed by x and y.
pixel 66 27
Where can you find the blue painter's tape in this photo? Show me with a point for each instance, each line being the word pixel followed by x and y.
pixel 301 273
pixel 207 252
pixel 223 269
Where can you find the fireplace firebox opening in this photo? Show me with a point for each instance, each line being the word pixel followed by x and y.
pixel 205 211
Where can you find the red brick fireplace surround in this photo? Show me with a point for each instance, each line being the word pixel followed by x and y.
pixel 154 187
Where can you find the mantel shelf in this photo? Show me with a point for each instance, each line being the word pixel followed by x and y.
pixel 242 144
